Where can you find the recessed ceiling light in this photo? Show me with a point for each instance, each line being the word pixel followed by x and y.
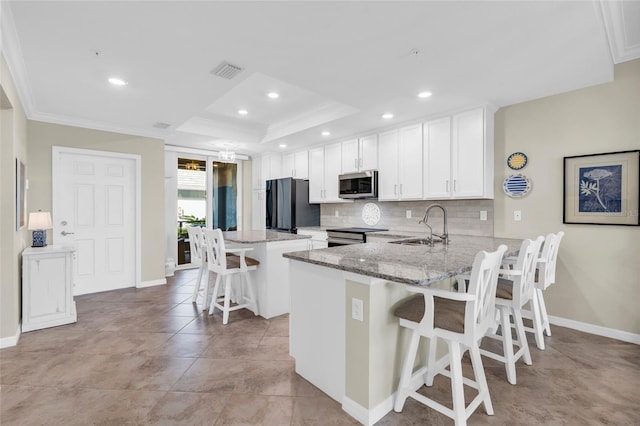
pixel 283 145
pixel 273 95
pixel 424 94
pixel 387 115
pixel 243 112
pixel 117 81
pixel 326 133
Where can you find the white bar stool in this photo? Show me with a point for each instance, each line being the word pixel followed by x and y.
pixel 461 319
pixel 198 258
pixel 545 276
pixel 514 291
pixel 227 263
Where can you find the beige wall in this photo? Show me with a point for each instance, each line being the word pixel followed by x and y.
pixel 43 136
pixel 598 276
pixel 13 142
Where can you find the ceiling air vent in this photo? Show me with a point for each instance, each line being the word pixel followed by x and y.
pixel 161 125
pixel 227 70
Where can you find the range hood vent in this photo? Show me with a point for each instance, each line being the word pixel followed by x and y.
pixel 227 70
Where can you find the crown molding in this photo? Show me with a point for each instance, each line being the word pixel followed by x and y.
pixel 97 125
pixel 10 47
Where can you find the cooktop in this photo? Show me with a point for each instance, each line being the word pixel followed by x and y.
pixel 357 230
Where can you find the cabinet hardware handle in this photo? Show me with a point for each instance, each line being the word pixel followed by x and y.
pixel 65 233
pixel 355 163
pixel 455 186
pixel 447 183
pixel 361 163
pixel 395 189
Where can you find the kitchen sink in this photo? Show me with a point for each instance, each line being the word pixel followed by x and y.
pixel 417 241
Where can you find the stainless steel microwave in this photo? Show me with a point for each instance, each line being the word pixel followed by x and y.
pixel 358 185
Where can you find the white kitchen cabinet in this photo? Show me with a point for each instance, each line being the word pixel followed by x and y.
pixel 318 238
pixel 400 174
pixel 458 156
pixel 47 287
pixel 258 211
pixel 324 167
pixel 360 154
pixel 271 166
pixel 296 165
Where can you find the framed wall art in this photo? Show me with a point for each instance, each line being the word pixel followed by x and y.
pixel 602 189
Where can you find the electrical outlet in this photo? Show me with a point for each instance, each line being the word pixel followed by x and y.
pixel 517 215
pixel 337 213
pixel 356 309
pixel 483 215
pixel 408 214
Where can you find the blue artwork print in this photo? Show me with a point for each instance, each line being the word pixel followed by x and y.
pixel 600 189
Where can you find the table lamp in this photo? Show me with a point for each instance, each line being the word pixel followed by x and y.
pixel 39 222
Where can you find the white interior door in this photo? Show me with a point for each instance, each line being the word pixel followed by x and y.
pixel 95 209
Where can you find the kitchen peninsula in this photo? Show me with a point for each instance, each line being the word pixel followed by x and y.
pixel 270 278
pixel 343 334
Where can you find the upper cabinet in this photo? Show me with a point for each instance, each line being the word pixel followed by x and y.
pixel 324 168
pixel 296 165
pixel 458 156
pixel 360 154
pixel 271 166
pixel 400 174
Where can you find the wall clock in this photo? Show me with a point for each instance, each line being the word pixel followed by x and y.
pixel 517 160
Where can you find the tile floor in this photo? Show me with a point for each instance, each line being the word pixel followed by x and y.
pixel 150 356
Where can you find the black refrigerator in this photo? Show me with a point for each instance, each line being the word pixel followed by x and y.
pixel 288 205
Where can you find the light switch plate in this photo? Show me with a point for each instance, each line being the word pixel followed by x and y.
pixel 408 214
pixel 483 215
pixel 356 309
pixel 517 215
pixel 337 213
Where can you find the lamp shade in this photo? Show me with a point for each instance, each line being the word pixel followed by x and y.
pixel 39 221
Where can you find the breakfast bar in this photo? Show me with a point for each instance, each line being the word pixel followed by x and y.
pixel 270 278
pixel 343 334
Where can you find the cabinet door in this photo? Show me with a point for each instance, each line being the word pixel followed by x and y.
pixel 316 175
pixel 468 154
pixel 301 165
pixel 350 157
pixel 48 290
pixel 369 153
pixel 256 172
pixel 388 169
pixel 265 167
pixel 288 165
pixel 437 158
pixel 410 162
pixel 275 164
pixel 332 168
pixel 258 211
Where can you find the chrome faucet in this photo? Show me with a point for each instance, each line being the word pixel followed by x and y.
pixel 445 234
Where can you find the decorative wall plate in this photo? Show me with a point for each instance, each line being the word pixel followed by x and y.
pixel 517 160
pixel 517 185
pixel 371 214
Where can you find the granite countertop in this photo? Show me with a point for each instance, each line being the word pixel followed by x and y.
pixel 416 265
pixel 258 236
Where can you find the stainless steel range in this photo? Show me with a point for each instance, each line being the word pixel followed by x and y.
pixel 345 236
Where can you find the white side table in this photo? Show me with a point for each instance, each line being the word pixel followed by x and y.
pixel 47 287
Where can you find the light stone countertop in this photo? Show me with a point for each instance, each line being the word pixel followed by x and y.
pixel 259 236
pixel 415 265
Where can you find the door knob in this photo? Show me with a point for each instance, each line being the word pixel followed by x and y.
pixel 63 223
pixel 65 233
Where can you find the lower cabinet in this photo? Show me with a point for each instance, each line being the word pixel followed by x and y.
pixel 47 287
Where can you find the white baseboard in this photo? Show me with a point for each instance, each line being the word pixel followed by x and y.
pixel 598 330
pixel 370 417
pixel 7 342
pixel 152 283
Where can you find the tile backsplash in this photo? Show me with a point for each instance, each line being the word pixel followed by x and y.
pixel 463 216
